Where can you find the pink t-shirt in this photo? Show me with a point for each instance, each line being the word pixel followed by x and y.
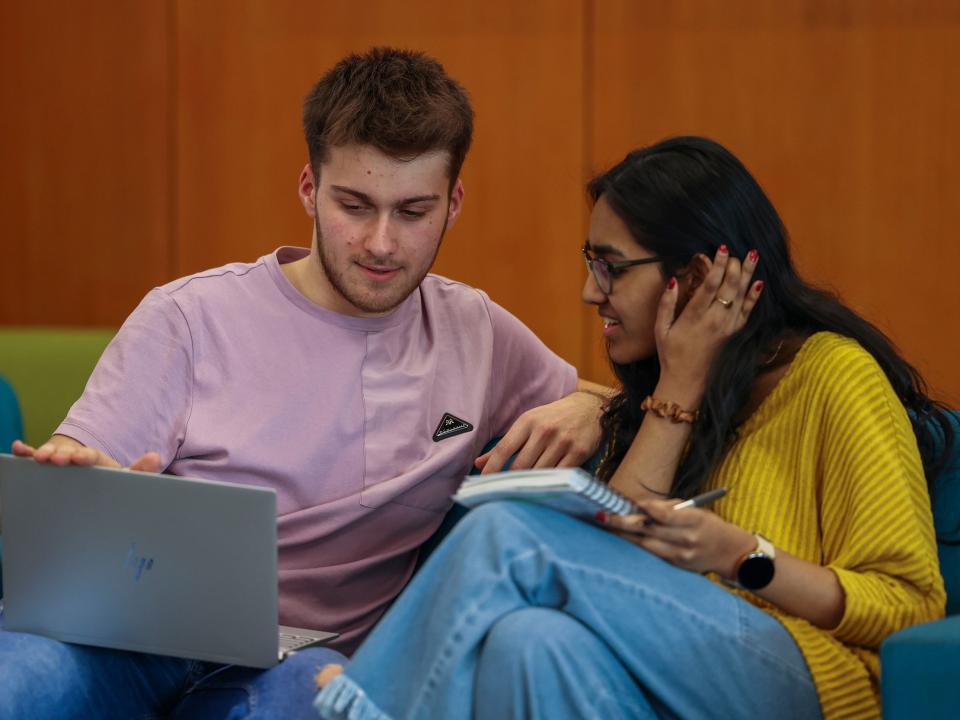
pixel 233 375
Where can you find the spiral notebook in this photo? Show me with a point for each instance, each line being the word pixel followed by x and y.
pixel 569 490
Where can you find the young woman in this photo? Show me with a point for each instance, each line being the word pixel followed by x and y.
pixel 771 602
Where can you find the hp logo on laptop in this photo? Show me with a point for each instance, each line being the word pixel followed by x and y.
pixel 138 564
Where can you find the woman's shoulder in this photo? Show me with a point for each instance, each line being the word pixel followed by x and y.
pixel 813 370
pixel 845 376
pixel 831 358
pixel 833 347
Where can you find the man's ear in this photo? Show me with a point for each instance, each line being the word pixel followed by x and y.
pixel 307 189
pixel 456 203
pixel 692 277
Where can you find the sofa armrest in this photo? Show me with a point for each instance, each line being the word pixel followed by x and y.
pixel 920 671
pixel 11 422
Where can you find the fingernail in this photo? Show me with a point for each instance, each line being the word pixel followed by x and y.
pixel 758 285
pixel 723 250
pixel 601 516
pixel 754 256
pixel 672 284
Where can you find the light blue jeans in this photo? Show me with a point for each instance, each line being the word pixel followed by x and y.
pixel 42 678
pixel 523 612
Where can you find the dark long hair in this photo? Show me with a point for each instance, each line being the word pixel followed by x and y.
pixel 689 195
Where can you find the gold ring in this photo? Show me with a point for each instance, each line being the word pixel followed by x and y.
pixel 725 303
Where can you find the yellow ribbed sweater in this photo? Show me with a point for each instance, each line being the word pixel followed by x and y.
pixel 827 468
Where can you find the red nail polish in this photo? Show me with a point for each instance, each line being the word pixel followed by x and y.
pixel 759 285
pixel 601 516
pixel 672 284
pixel 754 256
pixel 723 249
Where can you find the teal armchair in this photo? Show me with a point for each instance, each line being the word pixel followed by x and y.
pixel 11 428
pixel 920 666
pixel 11 423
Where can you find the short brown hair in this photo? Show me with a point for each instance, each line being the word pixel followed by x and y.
pixel 400 101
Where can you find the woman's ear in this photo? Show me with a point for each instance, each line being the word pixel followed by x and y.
pixel 691 277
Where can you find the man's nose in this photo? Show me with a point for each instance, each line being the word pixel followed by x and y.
pixel 381 242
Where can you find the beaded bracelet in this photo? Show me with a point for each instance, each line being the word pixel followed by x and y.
pixel 669 410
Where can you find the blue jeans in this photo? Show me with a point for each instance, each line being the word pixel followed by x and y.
pixel 523 612
pixel 42 678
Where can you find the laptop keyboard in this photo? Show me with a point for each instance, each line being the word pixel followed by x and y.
pixel 291 643
pixel 293 639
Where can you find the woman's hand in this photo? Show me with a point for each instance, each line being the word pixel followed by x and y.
pixel 692 538
pixel 722 296
pixel 718 308
pixel 699 540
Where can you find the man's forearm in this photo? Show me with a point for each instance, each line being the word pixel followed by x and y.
pixel 591 388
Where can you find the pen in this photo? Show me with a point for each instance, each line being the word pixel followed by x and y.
pixel 701 499
pixel 696 501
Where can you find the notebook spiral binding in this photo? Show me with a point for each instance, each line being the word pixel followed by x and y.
pixel 610 500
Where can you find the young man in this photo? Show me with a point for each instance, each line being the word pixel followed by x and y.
pixel 345 377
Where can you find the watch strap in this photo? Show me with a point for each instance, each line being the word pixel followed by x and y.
pixel 763 548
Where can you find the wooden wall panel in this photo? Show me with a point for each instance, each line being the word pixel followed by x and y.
pixel 242 76
pixel 845 111
pixel 147 140
pixel 84 137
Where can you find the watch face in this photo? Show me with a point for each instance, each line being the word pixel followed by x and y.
pixel 756 571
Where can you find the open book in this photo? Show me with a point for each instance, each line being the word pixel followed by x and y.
pixel 570 490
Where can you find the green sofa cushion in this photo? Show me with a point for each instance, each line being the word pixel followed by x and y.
pixel 48 368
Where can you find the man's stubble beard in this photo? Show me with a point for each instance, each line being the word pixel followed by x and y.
pixel 339 283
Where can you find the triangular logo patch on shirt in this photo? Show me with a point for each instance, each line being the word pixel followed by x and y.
pixel 449 426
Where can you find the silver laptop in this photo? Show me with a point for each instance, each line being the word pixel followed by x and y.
pixel 138 561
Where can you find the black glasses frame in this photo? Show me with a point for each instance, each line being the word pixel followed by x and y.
pixel 611 270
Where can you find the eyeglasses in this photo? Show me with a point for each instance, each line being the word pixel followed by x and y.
pixel 604 271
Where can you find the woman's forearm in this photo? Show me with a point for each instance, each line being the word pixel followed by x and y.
pixel 806 590
pixel 651 462
pixel 699 540
pixel 798 587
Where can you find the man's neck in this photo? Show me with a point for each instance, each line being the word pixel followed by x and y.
pixel 302 274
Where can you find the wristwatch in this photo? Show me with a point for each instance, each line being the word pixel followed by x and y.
pixel 755 569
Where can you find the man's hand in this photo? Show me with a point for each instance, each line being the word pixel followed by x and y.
pixel 62 450
pixel 564 433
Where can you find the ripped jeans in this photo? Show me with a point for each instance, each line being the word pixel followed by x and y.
pixel 42 678
pixel 523 612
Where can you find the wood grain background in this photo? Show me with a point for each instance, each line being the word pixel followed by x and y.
pixel 142 141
